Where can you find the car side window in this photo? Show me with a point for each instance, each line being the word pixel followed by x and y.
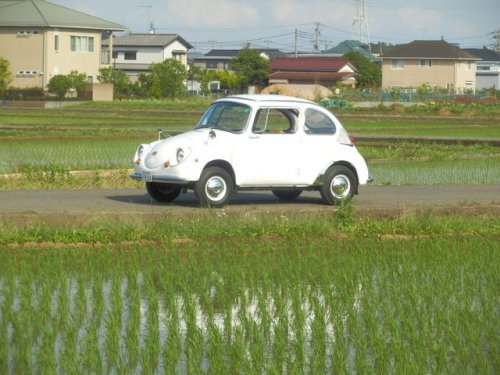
pixel 318 123
pixel 275 121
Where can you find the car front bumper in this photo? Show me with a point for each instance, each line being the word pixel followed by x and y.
pixel 148 177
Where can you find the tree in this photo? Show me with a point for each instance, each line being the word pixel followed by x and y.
pixel 251 66
pixel 78 81
pixel 59 85
pixel 168 79
pixel 370 74
pixel 5 75
pixel 121 84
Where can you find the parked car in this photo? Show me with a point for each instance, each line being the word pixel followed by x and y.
pixel 261 142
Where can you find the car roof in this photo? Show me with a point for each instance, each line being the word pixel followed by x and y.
pixel 267 98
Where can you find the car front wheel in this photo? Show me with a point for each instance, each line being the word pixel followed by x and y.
pixel 214 188
pixel 339 186
pixel 163 192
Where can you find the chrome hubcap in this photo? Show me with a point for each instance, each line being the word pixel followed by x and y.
pixel 215 188
pixel 340 186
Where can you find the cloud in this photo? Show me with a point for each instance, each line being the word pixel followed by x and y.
pixel 292 12
pixel 213 13
pixel 420 21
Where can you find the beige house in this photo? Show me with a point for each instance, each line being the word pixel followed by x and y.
pixel 433 62
pixel 41 39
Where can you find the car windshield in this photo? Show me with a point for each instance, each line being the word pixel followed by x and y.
pixel 228 116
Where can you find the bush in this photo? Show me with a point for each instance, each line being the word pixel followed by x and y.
pixel 32 93
pixel 59 85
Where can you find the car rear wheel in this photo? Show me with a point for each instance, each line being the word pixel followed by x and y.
pixel 163 192
pixel 214 188
pixel 287 195
pixel 339 186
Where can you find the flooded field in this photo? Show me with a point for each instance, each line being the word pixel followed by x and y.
pixel 332 305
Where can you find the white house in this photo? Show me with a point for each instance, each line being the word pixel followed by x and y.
pixel 488 68
pixel 134 53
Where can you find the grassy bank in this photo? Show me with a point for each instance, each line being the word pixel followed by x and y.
pixel 225 295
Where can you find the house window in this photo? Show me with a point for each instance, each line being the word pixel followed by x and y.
pixel 82 44
pixel 468 65
pixel 211 64
pixel 27 32
pixel 130 55
pixel 177 56
pixel 56 43
pixel 398 64
pixel 115 55
pixel 425 63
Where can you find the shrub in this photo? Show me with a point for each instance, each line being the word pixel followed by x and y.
pixel 59 85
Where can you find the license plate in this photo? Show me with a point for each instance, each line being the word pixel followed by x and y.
pixel 147 176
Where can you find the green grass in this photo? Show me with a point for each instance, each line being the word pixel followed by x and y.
pixel 334 294
pixel 417 127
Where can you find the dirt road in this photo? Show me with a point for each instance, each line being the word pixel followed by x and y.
pixel 130 201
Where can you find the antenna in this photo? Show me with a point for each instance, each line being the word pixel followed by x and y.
pixel 361 22
pixel 151 26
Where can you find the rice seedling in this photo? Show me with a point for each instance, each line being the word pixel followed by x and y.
pixel 357 303
pixel 469 171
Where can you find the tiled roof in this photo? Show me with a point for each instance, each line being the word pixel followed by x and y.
pixel 223 53
pixel 309 63
pixel 40 13
pixel 230 53
pixel 484 54
pixel 309 75
pixel 146 40
pixel 351 45
pixel 428 49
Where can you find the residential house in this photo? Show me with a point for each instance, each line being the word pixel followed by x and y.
pixel 488 68
pixel 433 62
pixel 351 46
pixel 220 59
pixel 134 53
pixel 41 39
pixel 312 69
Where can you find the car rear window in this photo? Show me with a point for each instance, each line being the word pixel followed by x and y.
pixel 318 123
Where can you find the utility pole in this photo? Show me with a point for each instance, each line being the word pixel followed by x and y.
pixel 316 41
pixel 497 44
pixel 296 41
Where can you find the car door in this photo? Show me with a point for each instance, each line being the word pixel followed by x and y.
pixel 268 156
pixel 318 145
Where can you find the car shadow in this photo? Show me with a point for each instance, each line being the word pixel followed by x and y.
pixel 242 198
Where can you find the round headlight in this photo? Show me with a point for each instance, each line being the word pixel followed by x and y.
pixel 140 151
pixel 180 155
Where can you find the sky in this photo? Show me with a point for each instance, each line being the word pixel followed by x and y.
pixel 308 25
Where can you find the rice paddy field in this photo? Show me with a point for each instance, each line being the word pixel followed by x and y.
pixel 43 146
pixel 332 291
pixel 216 295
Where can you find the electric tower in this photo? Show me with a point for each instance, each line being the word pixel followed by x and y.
pixel 361 21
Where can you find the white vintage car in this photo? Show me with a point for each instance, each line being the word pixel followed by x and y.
pixel 260 142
